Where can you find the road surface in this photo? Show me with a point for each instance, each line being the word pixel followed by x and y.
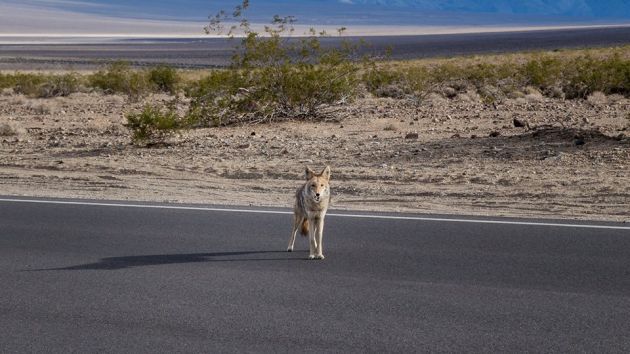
pixel 81 276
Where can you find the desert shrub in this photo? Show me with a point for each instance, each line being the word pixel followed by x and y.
pixel 28 84
pixel 587 74
pixel 272 77
pixel 59 85
pixel 164 78
pixel 558 75
pixel 9 129
pixel 543 71
pixel 384 81
pixel 120 78
pixel 41 85
pixel 6 81
pixel 215 96
pixel 40 107
pixel 153 124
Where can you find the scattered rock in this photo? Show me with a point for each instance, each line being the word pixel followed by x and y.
pixel 449 92
pixel 519 123
pixel 412 136
pixel 494 134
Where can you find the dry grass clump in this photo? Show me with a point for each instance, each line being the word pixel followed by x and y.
pixel 41 107
pixel 597 99
pixel 10 129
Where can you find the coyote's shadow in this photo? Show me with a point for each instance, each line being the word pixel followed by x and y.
pixel 115 263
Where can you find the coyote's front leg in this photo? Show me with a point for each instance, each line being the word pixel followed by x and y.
pixel 312 241
pixel 319 234
pixel 297 222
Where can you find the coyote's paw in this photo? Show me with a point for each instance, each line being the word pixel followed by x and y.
pixel 311 256
pixel 290 249
pixel 319 256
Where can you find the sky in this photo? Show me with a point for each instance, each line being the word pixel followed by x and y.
pixel 187 16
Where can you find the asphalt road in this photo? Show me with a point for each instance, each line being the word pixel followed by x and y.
pixel 213 52
pixel 111 278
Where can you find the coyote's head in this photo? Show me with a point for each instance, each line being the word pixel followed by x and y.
pixel 317 184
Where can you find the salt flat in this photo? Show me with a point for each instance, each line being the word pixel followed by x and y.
pixel 205 52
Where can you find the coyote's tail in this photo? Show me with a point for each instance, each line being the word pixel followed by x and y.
pixel 304 229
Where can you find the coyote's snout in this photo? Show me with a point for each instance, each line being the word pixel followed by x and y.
pixel 311 204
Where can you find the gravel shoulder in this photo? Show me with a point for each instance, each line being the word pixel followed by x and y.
pixel 453 156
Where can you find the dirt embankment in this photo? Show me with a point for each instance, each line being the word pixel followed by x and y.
pixel 570 159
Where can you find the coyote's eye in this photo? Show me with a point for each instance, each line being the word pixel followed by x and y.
pixel 313 185
pixel 322 185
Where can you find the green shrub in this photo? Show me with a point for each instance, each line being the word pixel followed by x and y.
pixel 28 84
pixel 385 81
pixel 164 78
pixel 556 75
pixel 543 71
pixel 120 78
pixel 59 85
pixel 153 124
pixel 587 75
pixel 272 78
pixel 215 97
pixel 41 85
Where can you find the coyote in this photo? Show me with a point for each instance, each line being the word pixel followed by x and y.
pixel 311 203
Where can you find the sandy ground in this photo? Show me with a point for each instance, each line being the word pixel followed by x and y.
pixel 454 156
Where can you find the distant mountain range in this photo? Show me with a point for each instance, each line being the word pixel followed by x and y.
pixel 187 16
pixel 579 8
pixel 372 10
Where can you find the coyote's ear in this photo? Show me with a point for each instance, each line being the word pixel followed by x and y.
pixel 308 173
pixel 326 173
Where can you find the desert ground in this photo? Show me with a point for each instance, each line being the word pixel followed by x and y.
pixel 528 156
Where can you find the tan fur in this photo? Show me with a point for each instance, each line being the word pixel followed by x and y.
pixel 304 229
pixel 311 203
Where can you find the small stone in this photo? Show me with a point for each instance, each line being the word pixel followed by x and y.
pixel 244 146
pixel 519 123
pixel 494 134
pixel 411 136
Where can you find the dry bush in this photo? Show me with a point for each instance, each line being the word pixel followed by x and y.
pixel 40 107
pixel 10 129
pixel 597 99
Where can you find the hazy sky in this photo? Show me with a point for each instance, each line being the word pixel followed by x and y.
pixel 187 16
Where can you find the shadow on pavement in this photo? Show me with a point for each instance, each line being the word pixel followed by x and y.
pixel 114 263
